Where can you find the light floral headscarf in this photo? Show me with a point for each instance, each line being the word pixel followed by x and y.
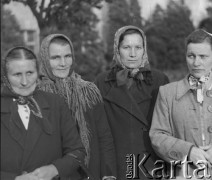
pixel 116 56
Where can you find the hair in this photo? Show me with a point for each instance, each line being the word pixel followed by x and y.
pixel 20 53
pixel 199 36
pixel 130 31
pixel 60 40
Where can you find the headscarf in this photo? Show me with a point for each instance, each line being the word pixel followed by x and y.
pixel 80 95
pixel 7 90
pixel 122 73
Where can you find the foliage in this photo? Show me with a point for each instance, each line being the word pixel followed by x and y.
pixel 10 31
pixel 166 32
pixel 207 22
pixel 121 13
pixel 76 19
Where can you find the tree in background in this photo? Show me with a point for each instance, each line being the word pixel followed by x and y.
pixel 166 34
pixel 10 31
pixel 120 13
pixel 76 19
pixel 207 22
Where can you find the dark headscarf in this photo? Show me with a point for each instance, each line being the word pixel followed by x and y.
pixel 80 95
pixel 7 90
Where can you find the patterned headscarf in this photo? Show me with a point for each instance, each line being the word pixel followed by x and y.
pixel 7 90
pixel 80 95
pixel 116 57
pixel 123 74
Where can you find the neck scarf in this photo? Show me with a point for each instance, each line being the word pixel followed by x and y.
pixel 7 90
pixel 197 85
pixel 79 95
pixel 124 75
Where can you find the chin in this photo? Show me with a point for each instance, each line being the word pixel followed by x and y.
pixel 61 75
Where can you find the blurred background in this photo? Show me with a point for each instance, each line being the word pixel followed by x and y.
pixel 91 25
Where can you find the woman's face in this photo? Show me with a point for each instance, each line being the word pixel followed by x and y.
pixel 131 50
pixel 22 75
pixel 199 58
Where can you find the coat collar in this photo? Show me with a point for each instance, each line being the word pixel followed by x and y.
pixel 121 97
pixel 7 102
pixel 182 88
pixel 36 126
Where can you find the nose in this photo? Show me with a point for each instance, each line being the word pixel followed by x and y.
pixel 62 61
pixel 132 52
pixel 197 61
pixel 23 80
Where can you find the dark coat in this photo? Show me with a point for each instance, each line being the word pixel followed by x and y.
pixel 47 140
pixel 102 158
pixel 102 161
pixel 129 112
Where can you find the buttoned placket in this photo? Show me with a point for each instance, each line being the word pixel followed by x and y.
pixel 24 113
pixel 204 107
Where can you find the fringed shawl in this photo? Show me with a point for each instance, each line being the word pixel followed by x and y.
pixel 80 95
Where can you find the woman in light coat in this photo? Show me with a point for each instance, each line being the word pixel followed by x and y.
pixel 182 120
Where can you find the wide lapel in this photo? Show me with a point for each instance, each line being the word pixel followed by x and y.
pixel 35 129
pixel 185 95
pixel 121 97
pixel 12 121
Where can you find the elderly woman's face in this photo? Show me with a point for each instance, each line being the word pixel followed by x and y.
pixel 131 50
pixel 199 58
pixel 22 75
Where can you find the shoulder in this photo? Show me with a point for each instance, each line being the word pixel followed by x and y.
pixel 159 75
pixel 102 76
pixel 169 91
pixel 49 98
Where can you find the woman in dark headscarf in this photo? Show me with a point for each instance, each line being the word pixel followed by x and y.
pixel 84 101
pixel 129 90
pixel 39 140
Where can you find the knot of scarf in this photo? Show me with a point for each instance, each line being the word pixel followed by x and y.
pixel 127 76
pixel 31 102
pixel 23 100
pixel 197 84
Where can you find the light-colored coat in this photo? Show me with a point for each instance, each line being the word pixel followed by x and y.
pixel 176 124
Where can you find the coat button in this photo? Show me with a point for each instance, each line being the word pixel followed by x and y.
pixel 209 93
pixel 210 129
pixel 210 108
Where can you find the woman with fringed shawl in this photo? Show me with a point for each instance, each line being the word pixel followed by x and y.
pixel 39 140
pixel 129 91
pixel 84 101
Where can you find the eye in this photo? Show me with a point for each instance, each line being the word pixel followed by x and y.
pixel 69 56
pixel 17 74
pixel 29 73
pixel 203 56
pixel 191 56
pixel 54 57
pixel 139 47
pixel 125 47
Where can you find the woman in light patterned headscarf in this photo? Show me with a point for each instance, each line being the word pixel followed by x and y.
pixel 84 101
pixel 129 90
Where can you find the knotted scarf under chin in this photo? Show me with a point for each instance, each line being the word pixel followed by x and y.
pixel 23 100
pixel 127 76
pixel 197 85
